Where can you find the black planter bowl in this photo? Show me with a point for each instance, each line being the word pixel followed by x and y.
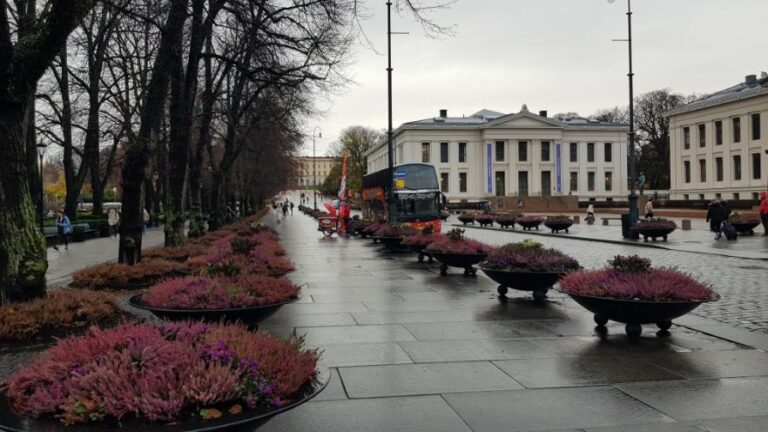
pixel 527 225
pixel 485 223
pixel 746 227
pixel 419 249
pixel 634 313
pixel 556 227
pixel 653 233
pixel 390 242
pixel 465 221
pixel 247 420
pixel 250 316
pixel 537 282
pixel 465 261
pixel 506 224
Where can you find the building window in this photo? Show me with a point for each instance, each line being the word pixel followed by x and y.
pixel 718 169
pixel 718 132
pixel 702 135
pixel 463 182
pixel 737 167
pixel 444 182
pixel 686 138
pixel 702 170
pixel 545 151
pixel 574 152
pixel 462 152
pixel 686 197
pixel 608 152
pixel 687 171
pixel 444 152
pixel 608 181
pixel 591 181
pixel 736 129
pixel 701 197
pixel 425 152
pixel 574 181
pixel 756 166
pixel 755 127
pixel 522 151
pixel 522 183
pixel 755 197
pixel 736 196
pixel 590 152
pixel 499 151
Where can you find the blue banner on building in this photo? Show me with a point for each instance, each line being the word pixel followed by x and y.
pixel 490 168
pixel 558 168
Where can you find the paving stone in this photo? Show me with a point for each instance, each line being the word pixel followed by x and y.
pixel 363 354
pixel 740 424
pixel 310 320
pixel 581 371
pixel 409 414
pixel 356 334
pixel 421 379
pixel 299 309
pixel 470 350
pixel 720 364
pixel 421 317
pixel 704 399
pixel 333 391
pixel 477 330
pixel 671 427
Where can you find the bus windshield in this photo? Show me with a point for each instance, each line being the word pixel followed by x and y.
pixel 417 206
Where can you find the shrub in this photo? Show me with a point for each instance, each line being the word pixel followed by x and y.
pixel 220 292
pixel 455 243
pixel 531 220
pixel 466 218
pixel 529 257
pixel 744 218
pixel 559 219
pixel 160 373
pixel 113 276
pixel 633 278
pixel 655 224
pixel 422 240
pixel 175 253
pixel 60 311
pixel 485 219
pixel 395 230
pixel 505 220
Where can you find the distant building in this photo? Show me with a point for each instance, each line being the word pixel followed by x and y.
pixel 305 167
pixel 718 144
pixel 522 154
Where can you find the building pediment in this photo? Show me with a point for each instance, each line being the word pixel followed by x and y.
pixel 524 120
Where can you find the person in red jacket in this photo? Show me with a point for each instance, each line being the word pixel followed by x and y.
pixel 764 211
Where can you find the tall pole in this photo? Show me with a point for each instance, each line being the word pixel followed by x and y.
pixel 390 144
pixel 42 193
pixel 633 212
pixel 314 164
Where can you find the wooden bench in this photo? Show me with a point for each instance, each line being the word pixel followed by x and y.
pixel 606 220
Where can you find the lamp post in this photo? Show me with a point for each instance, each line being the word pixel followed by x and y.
pixel 314 164
pixel 390 143
pixel 40 151
pixel 633 213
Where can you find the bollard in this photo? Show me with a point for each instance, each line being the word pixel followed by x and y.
pixel 686 224
pixel 576 219
pixel 605 222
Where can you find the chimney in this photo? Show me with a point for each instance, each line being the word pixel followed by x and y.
pixel 543 113
pixel 443 113
pixel 750 80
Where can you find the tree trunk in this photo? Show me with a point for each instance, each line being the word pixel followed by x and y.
pixel 91 150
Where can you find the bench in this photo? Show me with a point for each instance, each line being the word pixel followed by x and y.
pixel 606 220
pixel 80 232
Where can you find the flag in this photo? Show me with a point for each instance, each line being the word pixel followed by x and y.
pixel 343 186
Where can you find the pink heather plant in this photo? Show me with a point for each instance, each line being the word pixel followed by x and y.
pixel 395 230
pixel 521 257
pixel 422 240
pixel 455 243
pixel 533 220
pixel 160 373
pixel 658 223
pixel 220 292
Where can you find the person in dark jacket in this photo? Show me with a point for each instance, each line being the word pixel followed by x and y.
pixel 725 211
pixel 714 216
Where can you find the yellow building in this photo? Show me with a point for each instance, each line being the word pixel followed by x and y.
pixel 313 171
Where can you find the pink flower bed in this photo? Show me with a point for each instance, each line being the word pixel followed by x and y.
pixel 220 292
pixel 455 243
pixel 160 373
pixel 421 239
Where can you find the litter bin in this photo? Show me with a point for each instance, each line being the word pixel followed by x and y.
pixel 626 227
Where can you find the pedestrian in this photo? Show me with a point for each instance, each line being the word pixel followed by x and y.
pixel 725 210
pixel 764 211
pixel 641 182
pixel 285 209
pixel 113 218
pixel 714 216
pixel 590 214
pixel 63 229
pixel 649 208
pixel 146 222
pixel 291 208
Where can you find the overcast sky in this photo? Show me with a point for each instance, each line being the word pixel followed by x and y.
pixel 549 54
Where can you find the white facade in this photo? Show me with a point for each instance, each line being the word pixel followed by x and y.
pixel 492 154
pixel 718 144
pixel 313 171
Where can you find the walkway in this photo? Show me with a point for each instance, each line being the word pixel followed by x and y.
pixel 412 351
pixel 64 262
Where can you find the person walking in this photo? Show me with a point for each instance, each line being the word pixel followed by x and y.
pixel 649 208
pixel 113 218
pixel 641 182
pixel 714 216
pixel 285 209
pixel 146 218
pixel 764 211
pixel 63 229
pixel 590 214
pixel 291 208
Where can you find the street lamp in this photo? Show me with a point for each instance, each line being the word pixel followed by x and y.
pixel 390 144
pixel 633 213
pixel 40 151
pixel 314 163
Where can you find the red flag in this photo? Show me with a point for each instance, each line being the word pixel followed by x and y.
pixel 343 186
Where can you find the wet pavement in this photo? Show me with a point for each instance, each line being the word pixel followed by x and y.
pixel 410 350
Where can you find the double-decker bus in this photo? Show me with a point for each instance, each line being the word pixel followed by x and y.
pixel 417 195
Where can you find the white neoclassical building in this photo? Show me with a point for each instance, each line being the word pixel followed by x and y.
pixel 718 144
pixel 523 154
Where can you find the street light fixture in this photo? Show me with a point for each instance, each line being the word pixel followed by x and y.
pixel 390 143
pixel 40 151
pixel 314 164
pixel 633 213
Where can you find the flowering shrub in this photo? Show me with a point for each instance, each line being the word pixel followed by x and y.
pixel 421 240
pixel 466 218
pixel 737 217
pixel 505 220
pixel 175 253
pixel 60 311
pixel 265 260
pixel 529 220
pixel 160 373
pixel 485 219
pixel 455 243
pixel 529 257
pixel 113 276
pixel 559 219
pixel 655 224
pixel 371 228
pixel 630 278
pixel 220 292
pixel 395 230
